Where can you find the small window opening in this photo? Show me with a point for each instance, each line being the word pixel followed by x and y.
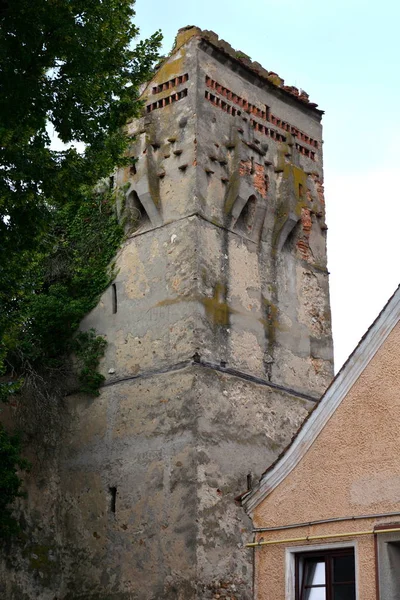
pixel 249 481
pixel 114 298
pixel 113 499
pixel 111 182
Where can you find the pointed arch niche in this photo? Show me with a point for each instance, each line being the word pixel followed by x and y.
pixel 136 212
pixel 246 221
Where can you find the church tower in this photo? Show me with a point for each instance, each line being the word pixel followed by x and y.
pixel 218 329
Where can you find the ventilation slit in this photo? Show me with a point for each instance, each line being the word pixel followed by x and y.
pixel 113 499
pixel 114 298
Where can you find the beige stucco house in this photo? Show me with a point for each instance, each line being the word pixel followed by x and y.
pixel 326 514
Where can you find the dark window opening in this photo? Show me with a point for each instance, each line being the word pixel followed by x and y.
pixel 249 481
pixel 326 575
pixel 113 499
pixel 114 298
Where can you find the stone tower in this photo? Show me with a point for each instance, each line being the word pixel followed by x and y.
pixel 218 329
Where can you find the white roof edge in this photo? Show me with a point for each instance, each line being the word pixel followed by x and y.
pixel 342 383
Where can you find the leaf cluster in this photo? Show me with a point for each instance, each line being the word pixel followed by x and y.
pixel 63 283
pixel 68 67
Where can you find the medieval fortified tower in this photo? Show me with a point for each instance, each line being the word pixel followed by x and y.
pixel 219 338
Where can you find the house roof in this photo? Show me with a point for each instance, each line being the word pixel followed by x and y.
pixel 273 80
pixel 330 401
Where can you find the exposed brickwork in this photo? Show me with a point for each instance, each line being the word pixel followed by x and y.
pixel 305 151
pixel 320 189
pixel 260 178
pixel 244 167
pixel 303 248
pixel 221 104
pixel 303 245
pixel 268 131
pixel 167 85
pixel 272 133
pixel 258 112
pixel 166 101
pixel 306 221
pixel 223 91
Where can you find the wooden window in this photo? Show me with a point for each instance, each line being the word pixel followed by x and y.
pixel 326 575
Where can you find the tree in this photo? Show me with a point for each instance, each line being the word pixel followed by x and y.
pixel 69 64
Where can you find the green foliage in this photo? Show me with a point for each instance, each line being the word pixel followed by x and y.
pixel 69 272
pixel 68 66
pixel 10 483
pixel 89 348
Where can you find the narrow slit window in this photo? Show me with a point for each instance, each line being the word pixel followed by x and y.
pixel 113 499
pixel 114 298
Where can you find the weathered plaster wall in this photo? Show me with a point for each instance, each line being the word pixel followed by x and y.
pixel 271 196
pixel 219 341
pixel 351 469
pixel 175 448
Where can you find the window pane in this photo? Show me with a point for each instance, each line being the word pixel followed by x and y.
pixel 315 594
pixel 314 571
pixel 343 568
pixel 344 592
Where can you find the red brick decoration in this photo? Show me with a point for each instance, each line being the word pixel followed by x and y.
pixel 305 151
pixel 264 114
pixel 221 104
pixel 167 85
pixel 249 108
pixel 260 178
pixel 166 101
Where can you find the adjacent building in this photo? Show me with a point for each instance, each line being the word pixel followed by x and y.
pixel 326 514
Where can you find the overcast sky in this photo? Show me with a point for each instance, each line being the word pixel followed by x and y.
pixel 346 55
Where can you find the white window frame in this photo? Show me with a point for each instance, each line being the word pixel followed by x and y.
pixel 382 559
pixel 290 560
